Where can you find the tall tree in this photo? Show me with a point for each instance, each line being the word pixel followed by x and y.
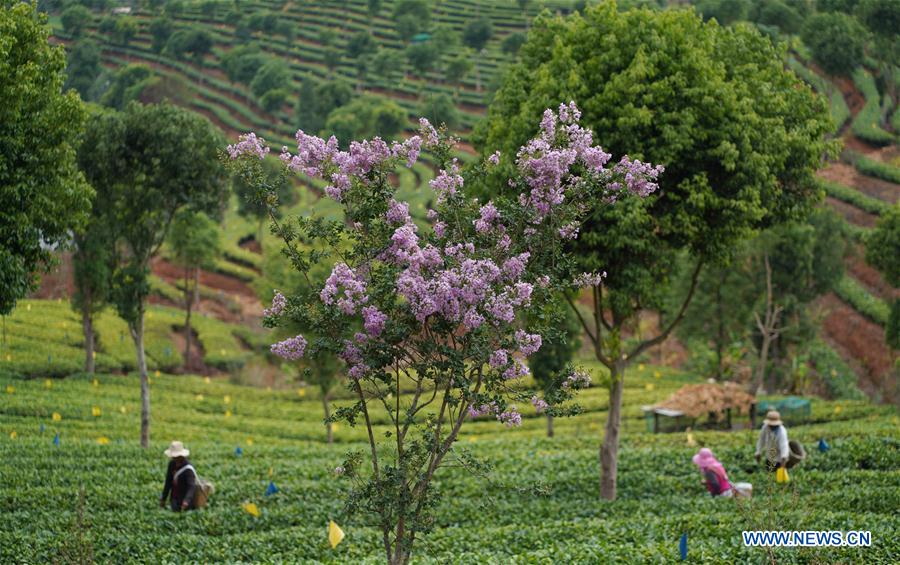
pixel 92 271
pixel 43 196
pixel 882 252
pixel 83 67
pixel 882 18
pixel 148 162
pixel 196 244
pixel 554 359
pixel 739 135
pixel 255 206
pixel 836 41
pixel 74 19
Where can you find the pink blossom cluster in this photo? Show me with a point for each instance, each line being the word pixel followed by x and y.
pixel 577 380
pixel 248 144
pixel 539 404
pixel 589 279
pixel 353 356
pixel 528 343
pixel 510 417
pixel 489 215
pixel 373 320
pixel 398 212
pixel 354 294
pixel 448 182
pixel 291 349
pixel 279 302
pixel 639 177
pixel 516 369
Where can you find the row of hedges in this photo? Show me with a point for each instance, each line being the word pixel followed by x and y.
pixel 866 124
pixel 862 301
pixel 856 198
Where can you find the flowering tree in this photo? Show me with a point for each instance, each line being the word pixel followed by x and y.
pixel 431 322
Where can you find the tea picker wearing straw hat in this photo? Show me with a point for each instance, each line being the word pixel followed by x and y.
pixel 181 479
pixel 773 441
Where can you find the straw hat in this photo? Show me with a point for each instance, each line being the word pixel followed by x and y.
pixel 704 458
pixel 177 450
pixel 773 418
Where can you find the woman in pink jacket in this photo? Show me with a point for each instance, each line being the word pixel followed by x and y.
pixel 714 476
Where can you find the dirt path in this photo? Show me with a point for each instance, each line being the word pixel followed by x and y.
pixel 852 214
pixel 868 276
pixel 848 175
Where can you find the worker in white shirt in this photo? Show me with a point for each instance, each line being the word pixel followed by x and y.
pixel 773 442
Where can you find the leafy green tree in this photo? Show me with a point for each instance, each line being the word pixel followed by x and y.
pixel 477 33
pixel 331 58
pixel 91 274
pixel 726 12
pixel 373 7
pixel 83 67
pixel 882 18
pixel 74 19
pixel 837 42
pixel 274 74
pixel 407 27
pixel 780 15
pixel 359 44
pixel 365 117
pixel 387 63
pixel 555 356
pixel 160 30
pixel 318 99
pixel 196 42
pixel 512 43
pixel 418 9
pixel 147 163
pixel 439 109
pixel 456 70
pixel 43 196
pixel 744 160
pixel 882 252
pixel 274 99
pixel 196 244
pixel 125 30
pixel 423 57
pixel 127 85
pixel 242 63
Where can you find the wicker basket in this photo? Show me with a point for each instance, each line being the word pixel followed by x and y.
pixel 796 455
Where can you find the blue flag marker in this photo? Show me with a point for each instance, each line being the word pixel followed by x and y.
pixel 42 428
pixel 238 451
pixel 682 546
pixel 271 489
pixel 823 445
pixel 56 440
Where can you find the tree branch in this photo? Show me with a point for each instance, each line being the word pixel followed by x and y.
pixel 643 346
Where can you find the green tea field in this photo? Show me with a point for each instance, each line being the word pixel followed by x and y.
pixel 538 504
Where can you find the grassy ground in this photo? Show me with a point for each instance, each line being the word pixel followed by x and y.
pixel 856 485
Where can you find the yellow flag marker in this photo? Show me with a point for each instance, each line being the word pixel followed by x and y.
pixel 95 411
pixel 103 440
pixel 206 380
pixel 95 382
pixel 268 389
pixel 228 413
pixel 94 354
pixel 199 397
pixel 56 417
pixel 156 374
pixel 837 409
pixel 472 438
pixel 301 392
pixel 13 435
pixel 249 441
pixel 251 508
pixel 227 399
pixel 690 440
pixel 48 383
pixel 335 534
pixel 641 367
pixel 271 472
pixel 657 374
pixel 8 357
pixel 335 427
pixel 122 409
pixel 649 386
pixel 28 307
pixel 10 389
pixel 221 352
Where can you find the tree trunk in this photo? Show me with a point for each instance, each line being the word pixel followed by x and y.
pixel 87 324
pixel 327 409
pixel 720 327
pixel 549 425
pixel 768 328
pixel 609 451
pixel 188 303
pixel 137 333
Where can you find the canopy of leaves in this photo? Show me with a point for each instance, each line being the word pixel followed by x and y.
pixel 272 75
pixel 43 196
pixel 837 42
pixel 253 205
pixel 739 135
pixel 724 11
pixel 883 246
pixel 478 32
pixel 364 118
pixel 83 67
pixel 146 163
pixel 418 9
pixel 241 63
pixel 195 239
pixel 196 42
pixel 127 85
pixel 359 44
pixel 439 109
pixel 423 56
pixel 160 30
pixel 74 19
pixel 318 99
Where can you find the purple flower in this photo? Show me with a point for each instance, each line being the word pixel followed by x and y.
pixel 494 159
pixel 373 320
pixel 427 131
pixel 511 418
pixel 440 229
pixel 291 348
pixel 476 411
pixel 499 358
pixel 398 212
pixel 354 287
pixel 489 214
pixel 569 231
pixel 515 370
pixel 447 183
pixel 278 304
pixel 515 266
pixel 578 379
pixel 589 279
pixel 528 343
pixel 539 404
pixel 248 144
pixel 472 319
